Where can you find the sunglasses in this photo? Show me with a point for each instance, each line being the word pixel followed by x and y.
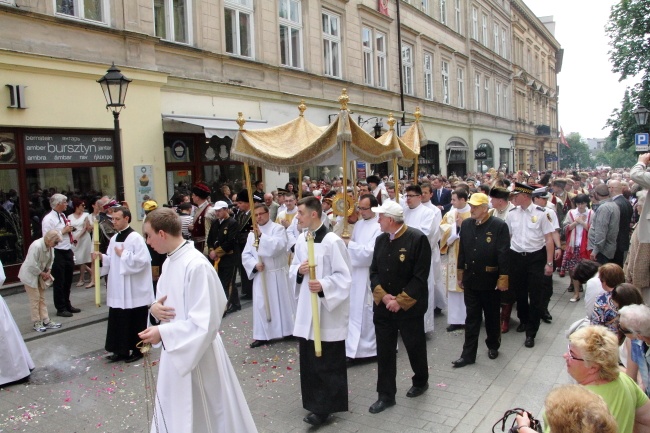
pixel 571 356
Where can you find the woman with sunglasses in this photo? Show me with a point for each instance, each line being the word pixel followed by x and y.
pixel 634 322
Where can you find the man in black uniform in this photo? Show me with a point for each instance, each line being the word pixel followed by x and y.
pixel 222 248
pixel 482 266
pixel 245 225
pixel 398 278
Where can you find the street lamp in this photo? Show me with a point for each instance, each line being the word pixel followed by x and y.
pixel 512 147
pixel 114 85
pixel 378 125
pixel 641 115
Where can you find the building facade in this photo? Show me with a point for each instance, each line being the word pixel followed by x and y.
pixel 196 63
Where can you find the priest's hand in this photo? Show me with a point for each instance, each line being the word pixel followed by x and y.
pixel 259 267
pixel 118 251
pixel 150 335
pixel 95 256
pixel 304 268
pixel 315 286
pixel 161 312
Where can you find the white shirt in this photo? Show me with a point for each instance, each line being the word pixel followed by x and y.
pixel 56 221
pixel 528 228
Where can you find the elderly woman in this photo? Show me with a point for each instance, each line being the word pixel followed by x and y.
pixel 35 274
pixel 634 322
pixel 592 360
pixel 573 409
pixel 605 312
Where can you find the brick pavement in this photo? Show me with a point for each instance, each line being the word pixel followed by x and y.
pixel 73 389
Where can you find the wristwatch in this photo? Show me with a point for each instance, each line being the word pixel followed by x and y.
pixel 549 264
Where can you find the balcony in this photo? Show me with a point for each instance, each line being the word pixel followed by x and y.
pixel 543 130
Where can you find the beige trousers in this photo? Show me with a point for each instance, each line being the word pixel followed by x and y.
pixel 37 306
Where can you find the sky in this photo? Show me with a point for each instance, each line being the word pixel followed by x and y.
pixel 589 90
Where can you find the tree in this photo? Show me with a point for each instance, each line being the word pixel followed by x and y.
pixel 628 29
pixel 576 155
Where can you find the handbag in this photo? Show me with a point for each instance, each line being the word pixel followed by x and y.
pixel 534 423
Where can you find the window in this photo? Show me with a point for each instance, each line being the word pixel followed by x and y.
pixel 290 33
pixel 457 14
pixel 443 11
pixel 486 94
pixel 373 47
pixel 445 82
pixel 504 103
pixel 477 92
pixel 92 10
pixel 428 76
pixel 407 68
pixel 484 30
pixel 461 87
pixel 474 23
pixel 425 6
pixel 239 27
pixel 504 43
pixel 498 98
pixel 331 44
pixel 380 50
pixel 497 42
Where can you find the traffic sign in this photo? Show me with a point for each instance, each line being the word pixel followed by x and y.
pixel 641 141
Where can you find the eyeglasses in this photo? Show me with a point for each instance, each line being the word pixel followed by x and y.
pixel 412 195
pixel 363 208
pixel 571 356
pixel 624 330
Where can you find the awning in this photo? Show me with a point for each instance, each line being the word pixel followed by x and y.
pixel 221 127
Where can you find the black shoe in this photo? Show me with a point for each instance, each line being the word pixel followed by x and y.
pixel 493 353
pixel 571 288
pixel 246 296
pixel 416 391
pixel 73 309
pixel 116 357
pixel 461 362
pixel 135 356
pixel 530 342
pixel 233 308
pixel 521 327
pixel 452 328
pixel 316 419
pixel 437 311
pixel 381 405
pixel 258 343
pixel 64 313
pixel 546 317
pixel 349 362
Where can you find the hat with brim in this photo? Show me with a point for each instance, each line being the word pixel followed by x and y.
pixel 149 205
pixel 201 190
pixel 499 192
pixel 541 193
pixel 220 205
pixel 478 199
pixel 560 181
pixel 110 204
pixel 390 209
pixel 522 188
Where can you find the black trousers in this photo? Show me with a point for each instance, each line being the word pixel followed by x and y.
pixel 477 303
pixel 227 274
pixel 412 331
pixel 246 284
pixel 603 259
pixel 323 379
pixel 527 277
pixel 62 270
pixel 123 327
pixel 619 257
pixel 547 293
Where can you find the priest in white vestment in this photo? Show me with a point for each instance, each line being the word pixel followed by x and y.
pixel 437 292
pixel 323 379
pixel 268 267
pixel 129 291
pixel 361 341
pixel 285 218
pixel 460 210
pixel 198 390
pixel 15 361
pixel 419 216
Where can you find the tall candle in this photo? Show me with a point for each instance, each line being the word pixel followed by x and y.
pixel 98 280
pixel 311 259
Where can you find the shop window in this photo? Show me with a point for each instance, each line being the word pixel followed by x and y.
pixel 179 148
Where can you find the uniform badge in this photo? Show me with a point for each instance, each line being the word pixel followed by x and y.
pixel 402 257
pixel 488 239
pixel 225 232
pixel 549 218
pixel 534 218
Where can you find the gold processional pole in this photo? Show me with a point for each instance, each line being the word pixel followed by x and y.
pixel 391 124
pixel 98 278
pixel 417 115
pixel 299 184
pixel 353 178
pixel 343 99
pixel 315 317
pixel 256 243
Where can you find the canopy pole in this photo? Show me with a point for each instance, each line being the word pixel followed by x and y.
pixel 346 233
pixel 396 179
pixel 299 183
pixel 415 170
pixel 353 178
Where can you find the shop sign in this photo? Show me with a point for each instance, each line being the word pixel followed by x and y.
pixel 361 170
pixel 480 154
pixel 49 148
pixel 143 187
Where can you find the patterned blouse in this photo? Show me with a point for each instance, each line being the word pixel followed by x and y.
pixel 605 313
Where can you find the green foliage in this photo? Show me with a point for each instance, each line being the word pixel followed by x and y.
pixel 616 158
pixel 576 155
pixel 628 27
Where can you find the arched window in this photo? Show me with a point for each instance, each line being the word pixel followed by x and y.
pixel 489 161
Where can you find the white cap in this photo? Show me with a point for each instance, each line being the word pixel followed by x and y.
pixel 220 205
pixel 541 193
pixel 390 208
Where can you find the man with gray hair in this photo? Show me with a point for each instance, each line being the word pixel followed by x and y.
pixel 623 239
pixel 604 228
pixel 63 265
pixel 634 322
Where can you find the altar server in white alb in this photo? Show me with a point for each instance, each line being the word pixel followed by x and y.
pixel 268 267
pixel 129 293
pixel 198 390
pixel 361 342
pixel 323 380
pixel 15 361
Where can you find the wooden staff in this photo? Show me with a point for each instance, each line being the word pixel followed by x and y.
pixel 299 184
pixel 345 234
pixel 256 244
pixel 396 179
pixel 314 297
pixel 98 278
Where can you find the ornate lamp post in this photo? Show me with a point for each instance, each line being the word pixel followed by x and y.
pixel 114 85
pixel 641 115
pixel 512 148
